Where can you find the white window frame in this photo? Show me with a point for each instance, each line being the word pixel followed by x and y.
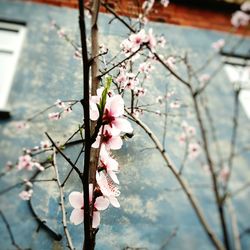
pixel 240 75
pixel 15 37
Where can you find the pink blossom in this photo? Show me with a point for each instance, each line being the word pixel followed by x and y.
pixel 137 112
pixel 170 62
pixel 103 49
pixel 26 195
pixel 138 39
pixel 59 103
pixel 240 18
pixel 121 79
pixel 126 47
pixel 25 162
pixel 139 92
pixel 145 67
pixel 94 100
pixel 193 150
pixel 109 164
pixel 112 116
pixel 131 81
pixel 110 141
pixel 45 144
pixel 77 202
pixel 108 189
pixel 218 44
pixel 67 110
pixel 54 116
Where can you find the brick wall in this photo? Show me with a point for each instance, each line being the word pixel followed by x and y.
pixel 179 13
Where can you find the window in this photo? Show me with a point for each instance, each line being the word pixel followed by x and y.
pixel 11 38
pixel 237 68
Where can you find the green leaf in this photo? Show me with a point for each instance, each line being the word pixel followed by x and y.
pixel 104 94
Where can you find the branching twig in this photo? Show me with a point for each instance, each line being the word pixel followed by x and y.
pixel 64 219
pixel 182 182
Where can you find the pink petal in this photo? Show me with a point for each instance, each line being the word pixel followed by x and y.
pixel 76 199
pixel 96 219
pixel 101 203
pixel 113 177
pixel 76 216
pixel 94 112
pixel 113 200
pixel 96 144
pixel 123 125
pixel 112 164
pixel 116 105
pixel 115 143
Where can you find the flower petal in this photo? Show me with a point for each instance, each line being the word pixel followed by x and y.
pixel 113 200
pixel 96 144
pixel 76 199
pixel 115 143
pixel 76 216
pixel 116 106
pixel 123 125
pixel 96 219
pixel 113 177
pixel 101 203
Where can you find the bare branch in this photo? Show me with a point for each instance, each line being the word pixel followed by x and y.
pixel 64 219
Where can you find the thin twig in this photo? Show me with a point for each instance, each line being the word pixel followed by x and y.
pixel 64 219
pixel 13 242
pixel 64 156
pixel 234 221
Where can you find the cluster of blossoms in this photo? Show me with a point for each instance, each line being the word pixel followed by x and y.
pixel 241 17
pixel 187 137
pixel 65 109
pixel 26 162
pixel 135 41
pixel 108 138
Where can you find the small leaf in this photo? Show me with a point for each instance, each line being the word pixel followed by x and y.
pixel 104 94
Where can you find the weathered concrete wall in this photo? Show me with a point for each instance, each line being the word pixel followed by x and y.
pixel 151 207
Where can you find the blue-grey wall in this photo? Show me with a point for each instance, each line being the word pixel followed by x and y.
pixel 152 206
